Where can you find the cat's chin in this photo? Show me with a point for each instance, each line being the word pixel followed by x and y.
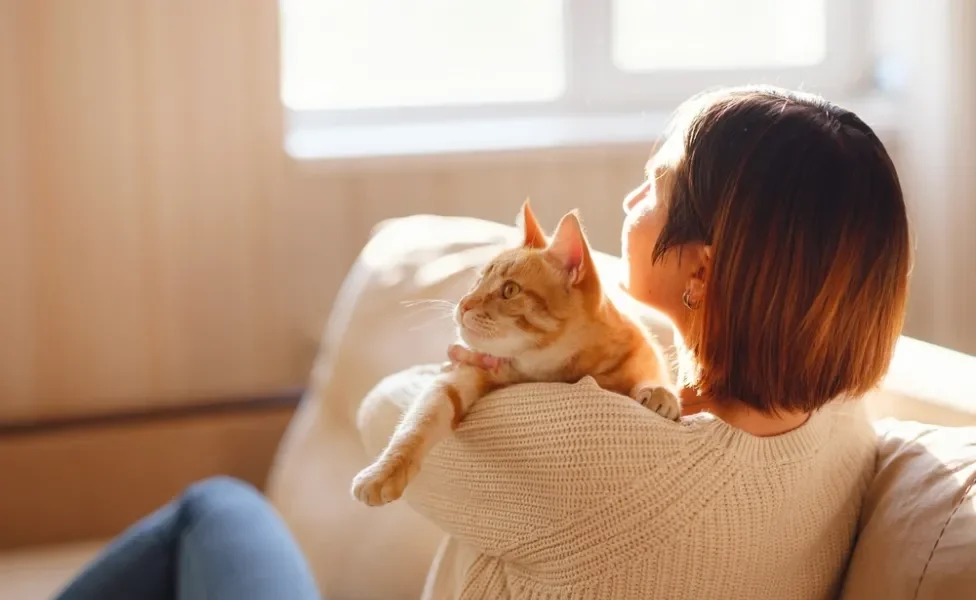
pixel 482 345
pixel 472 340
pixel 476 345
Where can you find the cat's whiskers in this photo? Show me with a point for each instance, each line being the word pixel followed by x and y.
pixel 432 320
pixel 437 310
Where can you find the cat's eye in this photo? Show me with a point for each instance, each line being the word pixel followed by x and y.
pixel 510 290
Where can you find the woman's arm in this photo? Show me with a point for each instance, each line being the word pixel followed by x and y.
pixel 529 458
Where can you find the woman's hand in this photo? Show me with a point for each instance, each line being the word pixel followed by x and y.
pixel 459 355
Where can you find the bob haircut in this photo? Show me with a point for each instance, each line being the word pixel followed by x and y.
pixel 810 252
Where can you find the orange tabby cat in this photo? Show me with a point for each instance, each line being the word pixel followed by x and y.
pixel 541 310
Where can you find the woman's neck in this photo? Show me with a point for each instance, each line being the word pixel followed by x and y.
pixel 741 416
pixel 733 411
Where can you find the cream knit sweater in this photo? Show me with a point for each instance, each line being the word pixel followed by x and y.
pixel 569 491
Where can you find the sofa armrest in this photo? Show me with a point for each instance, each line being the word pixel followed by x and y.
pixel 927 383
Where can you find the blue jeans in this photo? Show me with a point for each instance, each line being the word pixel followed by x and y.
pixel 220 540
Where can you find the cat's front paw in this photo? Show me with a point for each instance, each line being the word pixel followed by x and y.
pixel 384 481
pixel 659 399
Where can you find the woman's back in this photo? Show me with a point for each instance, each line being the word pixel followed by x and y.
pixel 569 491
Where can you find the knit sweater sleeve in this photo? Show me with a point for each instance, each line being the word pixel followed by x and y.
pixel 534 465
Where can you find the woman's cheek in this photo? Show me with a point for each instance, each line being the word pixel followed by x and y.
pixel 636 255
pixel 647 280
pixel 641 235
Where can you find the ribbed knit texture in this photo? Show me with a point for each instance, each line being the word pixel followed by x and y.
pixel 569 491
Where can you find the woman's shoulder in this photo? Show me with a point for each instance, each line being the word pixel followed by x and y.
pixel 562 423
pixel 582 422
pixel 583 407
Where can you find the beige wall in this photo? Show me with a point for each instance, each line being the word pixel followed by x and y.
pixel 156 244
pixel 140 178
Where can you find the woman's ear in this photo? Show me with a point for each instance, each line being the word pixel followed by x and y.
pixel 701 262
pixel 533 235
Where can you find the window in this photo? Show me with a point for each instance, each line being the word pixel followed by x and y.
pixel 366 54
pixel 406 61
pixel 743 34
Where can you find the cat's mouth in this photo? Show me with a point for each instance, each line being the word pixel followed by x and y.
pixel 476 326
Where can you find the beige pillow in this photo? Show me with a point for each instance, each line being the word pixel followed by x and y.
pixel 918 527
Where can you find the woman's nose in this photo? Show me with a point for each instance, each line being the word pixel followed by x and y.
pixel 633 198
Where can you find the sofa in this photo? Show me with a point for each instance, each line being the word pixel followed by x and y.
pixel 917 536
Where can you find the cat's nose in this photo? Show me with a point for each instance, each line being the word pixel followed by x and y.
pixel 467 304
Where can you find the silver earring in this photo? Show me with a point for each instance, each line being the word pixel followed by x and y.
pixel 686 300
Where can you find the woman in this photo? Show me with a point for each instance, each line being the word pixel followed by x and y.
pixel 772 231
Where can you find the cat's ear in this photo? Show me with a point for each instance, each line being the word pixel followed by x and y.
pixel 570 248
pixel 533 235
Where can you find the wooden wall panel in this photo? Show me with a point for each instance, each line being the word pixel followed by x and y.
pixel 141 167
pixel 81 483
pixel 16 303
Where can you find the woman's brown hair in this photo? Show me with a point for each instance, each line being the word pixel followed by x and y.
pixel 801 205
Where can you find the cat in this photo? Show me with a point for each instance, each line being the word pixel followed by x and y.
pixel 541 310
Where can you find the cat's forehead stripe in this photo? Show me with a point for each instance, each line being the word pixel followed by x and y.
pixel 513 264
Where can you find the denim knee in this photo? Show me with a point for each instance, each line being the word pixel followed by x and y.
pixel 220 484
pixel 218 493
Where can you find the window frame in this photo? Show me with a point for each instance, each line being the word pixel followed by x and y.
pixel 594 84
